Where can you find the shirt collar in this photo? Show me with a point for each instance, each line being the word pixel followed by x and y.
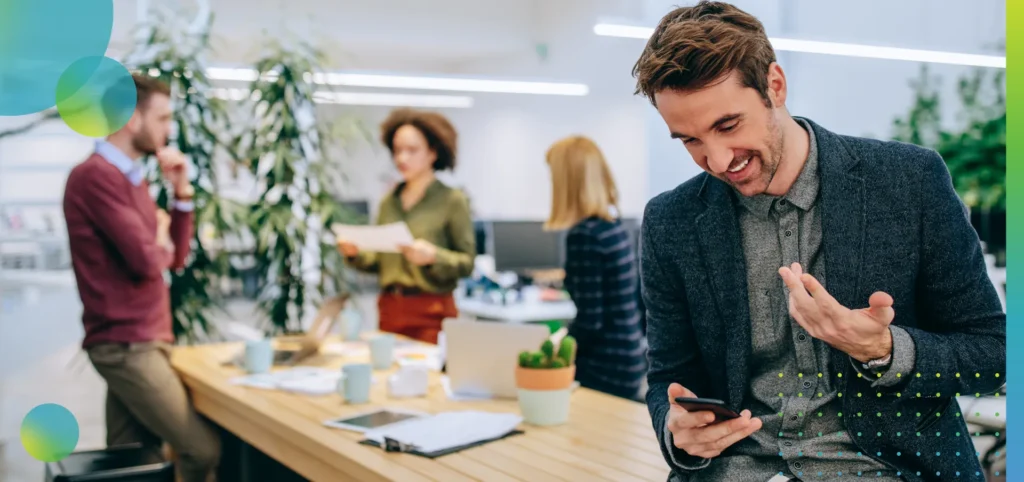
pixel 431 189
pixel 804 191
pixel 130 168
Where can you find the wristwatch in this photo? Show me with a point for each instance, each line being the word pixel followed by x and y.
pixel 878 364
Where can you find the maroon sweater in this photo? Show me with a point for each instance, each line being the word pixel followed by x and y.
pixel 117 262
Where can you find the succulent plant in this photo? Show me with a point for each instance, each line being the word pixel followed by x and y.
pixel 524 358
pixel 537 360
pixel 567 350
pixel 548 349
pixel 548 358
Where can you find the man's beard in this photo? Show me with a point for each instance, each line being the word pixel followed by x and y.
pixel 142 144
pixel 777 147
pixel 776 143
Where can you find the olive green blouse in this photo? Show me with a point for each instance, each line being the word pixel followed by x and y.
pixel 442 218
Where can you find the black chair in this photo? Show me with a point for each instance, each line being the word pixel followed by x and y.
pixel 117 464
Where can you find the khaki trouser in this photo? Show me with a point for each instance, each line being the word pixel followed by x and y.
pixel 147 404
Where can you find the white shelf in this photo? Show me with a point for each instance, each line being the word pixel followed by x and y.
pixel 42 203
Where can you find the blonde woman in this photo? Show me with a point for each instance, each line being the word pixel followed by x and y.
pixel 600 269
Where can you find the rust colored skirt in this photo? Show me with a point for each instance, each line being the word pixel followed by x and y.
pixel 417 316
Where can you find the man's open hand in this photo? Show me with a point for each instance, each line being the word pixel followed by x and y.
pixel 861 333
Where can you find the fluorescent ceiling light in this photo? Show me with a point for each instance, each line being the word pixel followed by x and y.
pixel 365 98
pixel 834 48
pixel 419 82
pixel 394 100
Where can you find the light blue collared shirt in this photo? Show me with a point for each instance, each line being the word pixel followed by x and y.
pixel 131 169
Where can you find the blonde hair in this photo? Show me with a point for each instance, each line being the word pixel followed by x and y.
pixel 581 183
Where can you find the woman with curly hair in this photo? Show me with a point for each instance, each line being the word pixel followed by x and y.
pixel 417 283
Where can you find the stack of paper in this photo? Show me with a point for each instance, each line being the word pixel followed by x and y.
pixel 304 380
pixel 448 430
pixel 419 355
pixel 385 238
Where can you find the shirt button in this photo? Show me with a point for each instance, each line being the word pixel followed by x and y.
pixel 792 418
pixel 798 465
pixel 782 202
pixel 802 337
pixel 807 384
pixel 787 444
pixel 789 233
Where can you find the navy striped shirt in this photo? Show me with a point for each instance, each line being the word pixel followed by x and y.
pixel 601 278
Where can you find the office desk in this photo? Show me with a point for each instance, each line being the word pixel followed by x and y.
pixel 518 312
pixel 607 438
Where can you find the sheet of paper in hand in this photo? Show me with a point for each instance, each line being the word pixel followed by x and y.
pixel 384 238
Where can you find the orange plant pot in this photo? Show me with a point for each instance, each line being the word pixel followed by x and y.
pixel 545 378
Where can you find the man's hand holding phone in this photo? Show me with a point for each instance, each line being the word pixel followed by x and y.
pixel 698 434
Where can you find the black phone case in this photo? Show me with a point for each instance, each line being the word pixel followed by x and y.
pixel 708 404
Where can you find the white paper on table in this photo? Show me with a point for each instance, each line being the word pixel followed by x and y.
pixel 286 378
pixel 300 380
pixel 382 239
pixel 345 349
pixel 448 430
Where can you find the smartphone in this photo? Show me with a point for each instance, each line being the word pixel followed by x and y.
pixel 715 406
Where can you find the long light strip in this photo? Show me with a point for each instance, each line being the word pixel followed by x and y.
pixel 419 82
pixel 834 48
pixel 365 98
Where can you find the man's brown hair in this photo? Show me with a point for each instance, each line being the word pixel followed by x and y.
pixel 441 136
pixel 145 87
pixel 113 99
pixel 694 47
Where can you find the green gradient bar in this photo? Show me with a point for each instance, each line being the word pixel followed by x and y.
pixel 1014 224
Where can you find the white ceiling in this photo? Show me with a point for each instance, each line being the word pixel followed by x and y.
pixel 501 37
pixel 411 35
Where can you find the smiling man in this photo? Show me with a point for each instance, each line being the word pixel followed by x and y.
pixel 829 289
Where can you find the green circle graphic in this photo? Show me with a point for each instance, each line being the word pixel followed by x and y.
pixel 49 432
pixel 96 96
pixel 39 39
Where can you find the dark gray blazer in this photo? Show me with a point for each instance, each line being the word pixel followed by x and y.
pixel 891 222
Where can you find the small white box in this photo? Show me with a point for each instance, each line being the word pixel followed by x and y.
pixel 409 381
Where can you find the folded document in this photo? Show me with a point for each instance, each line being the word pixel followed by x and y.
pixel 445 432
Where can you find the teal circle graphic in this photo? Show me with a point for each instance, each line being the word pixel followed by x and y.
pixel 96 96
pixel 49 432
pixel 39 39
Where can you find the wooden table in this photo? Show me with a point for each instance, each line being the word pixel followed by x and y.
pixel 606 438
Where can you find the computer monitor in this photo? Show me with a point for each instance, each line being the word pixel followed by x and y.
pixel 358 210
pixel 480 231
pixel 632 226
pixel 523 246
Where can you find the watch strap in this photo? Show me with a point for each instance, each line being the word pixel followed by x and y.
pixel 878 363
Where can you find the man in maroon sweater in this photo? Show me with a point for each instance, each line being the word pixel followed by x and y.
pixel 121 245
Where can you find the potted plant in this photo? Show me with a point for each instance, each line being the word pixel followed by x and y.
pixel 544 379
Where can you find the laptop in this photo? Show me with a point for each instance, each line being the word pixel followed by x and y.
pixel 481 356
pixel 291 350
